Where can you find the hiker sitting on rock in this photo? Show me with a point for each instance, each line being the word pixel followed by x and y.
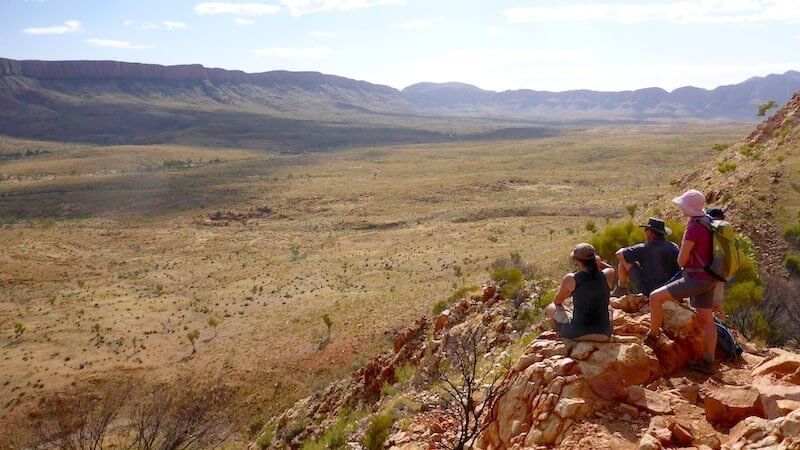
pixel 696 284
pixel 649 265
pixel 589 287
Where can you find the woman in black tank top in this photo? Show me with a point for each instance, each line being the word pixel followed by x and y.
pixel 590 290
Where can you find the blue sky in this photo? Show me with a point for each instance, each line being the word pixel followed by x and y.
pixel 500 44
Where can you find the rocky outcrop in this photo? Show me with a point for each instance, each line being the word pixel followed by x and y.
pixel 558 381
pixel 782 433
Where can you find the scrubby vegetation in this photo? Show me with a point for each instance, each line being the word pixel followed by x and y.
pixel 764 107
pixel 792 232
pixel 378 431
pixel 792 263
pixel 511 273
pixel 750 152
pixel 441 305
pixel 616 236
pixel 129 415
pixel 726 166
pixel 720 147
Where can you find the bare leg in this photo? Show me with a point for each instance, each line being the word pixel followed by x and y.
pixel 657 300
pixel 622 268
pixel 707 318
pixel 549 312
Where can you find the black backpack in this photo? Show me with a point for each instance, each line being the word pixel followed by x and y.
pixel 726 342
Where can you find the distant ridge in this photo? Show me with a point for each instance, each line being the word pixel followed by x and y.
pixel 123 102
pixel 99 70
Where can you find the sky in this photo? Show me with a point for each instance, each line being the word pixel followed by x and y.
pixel 493 44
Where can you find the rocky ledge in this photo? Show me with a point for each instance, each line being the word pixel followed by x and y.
pixel 558 384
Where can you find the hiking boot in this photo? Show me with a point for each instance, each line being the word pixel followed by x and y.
pixel 620 291
pixel 651 340
pixel 702 365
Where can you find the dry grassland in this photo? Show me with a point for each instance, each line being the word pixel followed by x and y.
pixel 108 262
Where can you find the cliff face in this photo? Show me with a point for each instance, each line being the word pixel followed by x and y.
pixel 105 70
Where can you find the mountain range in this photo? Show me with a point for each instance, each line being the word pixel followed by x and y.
pixel 119 102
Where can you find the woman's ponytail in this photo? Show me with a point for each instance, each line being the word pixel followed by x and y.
pixel 591 267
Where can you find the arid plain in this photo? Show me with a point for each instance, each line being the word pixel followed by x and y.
pixel 113 256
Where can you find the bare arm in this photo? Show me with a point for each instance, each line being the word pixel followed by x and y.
pixel 685 255
pixel 602 265
pixel 567 286
pixel 609 273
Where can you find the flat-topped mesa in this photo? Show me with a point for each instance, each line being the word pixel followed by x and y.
pixel 115 70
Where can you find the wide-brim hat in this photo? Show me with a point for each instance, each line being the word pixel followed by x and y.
pixel 583 252
pixel 658 226
pixel 691 203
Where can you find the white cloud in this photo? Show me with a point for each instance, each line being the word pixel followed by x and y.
pixel 418 24
pixel 294 53
pixel 172 25
pixel 323 34
pixel 493 31
pixel 685 11
pixel 239 9
pixel 70 26
pixel 303 7
pixel 242 21
pixel 115 44
pixel 168 25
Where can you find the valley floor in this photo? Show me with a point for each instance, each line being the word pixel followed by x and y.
pixel 113 255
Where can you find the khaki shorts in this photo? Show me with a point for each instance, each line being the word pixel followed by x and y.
pixel 701 293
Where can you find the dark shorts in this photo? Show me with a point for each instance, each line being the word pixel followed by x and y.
pixel 569 330
pixel 700 292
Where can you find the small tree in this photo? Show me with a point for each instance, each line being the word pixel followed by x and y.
pixel 213 322
pixel 328 322
pixel 192 336
pixel 470 392
pixel 764 107
pixel 19 330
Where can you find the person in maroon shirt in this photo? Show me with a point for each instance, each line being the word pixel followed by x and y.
pixel 695 254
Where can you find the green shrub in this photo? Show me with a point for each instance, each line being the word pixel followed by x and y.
pixel 441 305
pixel 741 302
pixel 764 107
pixel 591 226
pixel 726 166
pixel 743 295
pixel 750 152
pixel 387 390
pixel 620 235
pixel 404 373
pixel 784 131
pixel 510 280
pixel 792 233
pixel 720 147
pixel 792 263
pixel 378 431
pixel 265 440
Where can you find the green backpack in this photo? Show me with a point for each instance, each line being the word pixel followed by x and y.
pixel 726 258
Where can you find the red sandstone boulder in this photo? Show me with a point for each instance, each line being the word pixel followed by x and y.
pixel 730 404
pixel 785 366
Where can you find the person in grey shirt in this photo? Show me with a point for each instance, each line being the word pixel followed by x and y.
pixel 649 265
